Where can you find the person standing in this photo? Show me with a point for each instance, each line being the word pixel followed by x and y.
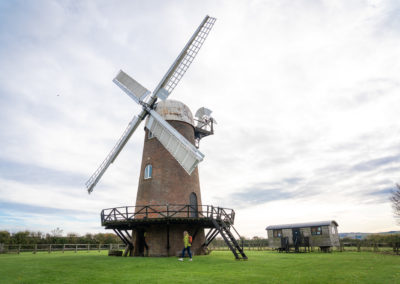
pixel 145 244
pixel 187 245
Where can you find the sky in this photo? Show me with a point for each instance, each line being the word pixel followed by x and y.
pixel 305 93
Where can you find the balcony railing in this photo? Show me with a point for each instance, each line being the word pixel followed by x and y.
pixel 170 211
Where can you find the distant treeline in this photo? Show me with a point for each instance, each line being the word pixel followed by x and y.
pixel 28 237
pixel 254 242
pixel 391 240
pixel 378 240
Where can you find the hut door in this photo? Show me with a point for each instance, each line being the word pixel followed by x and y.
pixel 193 205
pixel 296 236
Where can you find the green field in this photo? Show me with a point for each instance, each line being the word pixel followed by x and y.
pixel 218 267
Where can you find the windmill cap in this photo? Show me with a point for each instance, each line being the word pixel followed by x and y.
pixel 175 110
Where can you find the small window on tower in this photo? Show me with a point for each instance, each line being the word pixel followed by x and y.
pixel 150 135
pixel 148 171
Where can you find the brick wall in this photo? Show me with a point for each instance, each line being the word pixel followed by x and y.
pixel 169 184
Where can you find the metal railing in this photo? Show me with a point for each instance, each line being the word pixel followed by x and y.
pixel 128 213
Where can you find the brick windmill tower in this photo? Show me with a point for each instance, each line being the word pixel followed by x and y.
pixel 168 198
pixel 164 184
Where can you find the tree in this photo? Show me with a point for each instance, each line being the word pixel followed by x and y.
pixel 21 237
pixel 57 232
pixel 72 238
pixel 4 237
pixel 395 198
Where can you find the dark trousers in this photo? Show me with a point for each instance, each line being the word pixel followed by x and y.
pixel 188 250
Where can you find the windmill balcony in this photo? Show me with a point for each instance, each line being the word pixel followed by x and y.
pixel 132 216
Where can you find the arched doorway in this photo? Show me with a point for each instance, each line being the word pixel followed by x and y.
pixel 193 205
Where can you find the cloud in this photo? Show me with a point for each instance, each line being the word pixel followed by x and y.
pixel 376 163
pixel 384 192
pixel 26 173
pixel 255 196
pixel 263 193
pixel 32 209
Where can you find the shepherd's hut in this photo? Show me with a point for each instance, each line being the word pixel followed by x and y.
pixel 323 234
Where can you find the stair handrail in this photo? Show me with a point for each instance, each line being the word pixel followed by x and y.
pixel 237 233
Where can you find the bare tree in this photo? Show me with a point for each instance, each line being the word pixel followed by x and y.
pixel 395 198
pixel 57 232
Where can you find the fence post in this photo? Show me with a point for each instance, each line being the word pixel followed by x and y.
pixel 76 248
pixel 88 247
pixel 49 249
pixel 63 248
pixel 99 247
pixel 35 249
pixel 19 248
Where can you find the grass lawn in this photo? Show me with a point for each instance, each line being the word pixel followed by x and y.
pixel 219 267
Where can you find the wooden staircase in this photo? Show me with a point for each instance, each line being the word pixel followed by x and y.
pixel 224 229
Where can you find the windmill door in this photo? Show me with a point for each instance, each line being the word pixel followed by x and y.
pixel 193 205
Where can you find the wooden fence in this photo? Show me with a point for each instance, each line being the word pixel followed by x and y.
pixel 383 248
pixel 49 248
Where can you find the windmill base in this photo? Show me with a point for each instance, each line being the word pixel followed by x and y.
pixel 157 230
pixel 166 239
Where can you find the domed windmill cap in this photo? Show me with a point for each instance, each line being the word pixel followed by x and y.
pixel 175 110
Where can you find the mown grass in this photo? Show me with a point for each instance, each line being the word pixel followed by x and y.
pixel 219 267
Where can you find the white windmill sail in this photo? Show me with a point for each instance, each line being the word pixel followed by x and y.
pixel 130 86
pixel 184 59
pixel 91 183
pixel 187 155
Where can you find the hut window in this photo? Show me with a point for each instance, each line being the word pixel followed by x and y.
pixel 278 233
pixel 315 231
pixel 148 171
pixel 150 135
pixel 333 230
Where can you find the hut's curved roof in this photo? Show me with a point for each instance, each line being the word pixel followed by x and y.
pixel 303 225
pixel 174 110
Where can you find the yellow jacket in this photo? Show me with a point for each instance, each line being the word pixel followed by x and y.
pixel 186 241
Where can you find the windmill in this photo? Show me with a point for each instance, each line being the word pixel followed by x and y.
pixel 168 199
